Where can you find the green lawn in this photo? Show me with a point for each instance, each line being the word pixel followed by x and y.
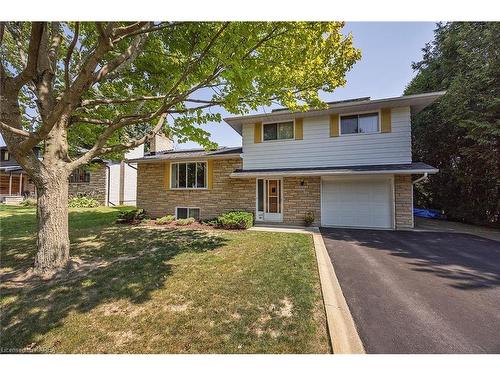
pixel 156 290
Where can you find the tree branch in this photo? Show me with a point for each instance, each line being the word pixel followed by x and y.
pixel 125 31
pixel 67 60
pixel 71 97
pixel 192 64
pixel 95 102
pixel 55 45
pixel 145 31
pixel 2 69
pixel 13 130
pixel 99 149
pixel 130 53
pixel 89 120
pixel 2 28
pixel 37 29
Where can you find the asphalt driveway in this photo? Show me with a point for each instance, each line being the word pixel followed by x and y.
pixel 419 292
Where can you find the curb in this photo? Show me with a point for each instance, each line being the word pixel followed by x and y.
pixel 343 334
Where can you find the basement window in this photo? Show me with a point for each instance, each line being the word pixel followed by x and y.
pixel 185 212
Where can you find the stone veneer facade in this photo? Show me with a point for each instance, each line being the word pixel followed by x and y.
pixel 97 186
pixel 226 194
pixel 301 194
pixel 403 200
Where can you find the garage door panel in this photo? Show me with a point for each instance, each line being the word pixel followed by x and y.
pixel 357 203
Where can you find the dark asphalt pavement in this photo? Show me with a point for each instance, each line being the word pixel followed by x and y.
pixel 419 292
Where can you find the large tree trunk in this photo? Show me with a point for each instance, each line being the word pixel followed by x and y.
pixel 52 215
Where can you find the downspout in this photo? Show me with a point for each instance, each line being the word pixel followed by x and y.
pixel 424 177
pixel 131 166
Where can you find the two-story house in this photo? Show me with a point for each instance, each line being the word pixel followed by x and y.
pixel 350 165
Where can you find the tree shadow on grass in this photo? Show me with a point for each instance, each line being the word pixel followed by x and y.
pixel 31 312
pixel 18 235
pixel 468 261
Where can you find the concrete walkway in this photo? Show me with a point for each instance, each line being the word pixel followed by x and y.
pixel 454 227
pixel 344 337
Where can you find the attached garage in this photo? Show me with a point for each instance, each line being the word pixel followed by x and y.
pixel 364 202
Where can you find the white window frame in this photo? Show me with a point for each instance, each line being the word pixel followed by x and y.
pixel 196 173
pixel 188 208
pixel 277 140
pixel 379 114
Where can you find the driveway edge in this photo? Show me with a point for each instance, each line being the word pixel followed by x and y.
pixel 344 337
pixel 343 334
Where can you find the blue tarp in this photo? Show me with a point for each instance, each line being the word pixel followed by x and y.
pixel 425 212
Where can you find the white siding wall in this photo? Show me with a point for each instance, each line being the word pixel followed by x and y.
pixel 130 185
pixel 114 184
pixel 318 149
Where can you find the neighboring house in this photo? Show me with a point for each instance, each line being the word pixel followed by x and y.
pixel 350 165
pixel 14 182
pixel 111 183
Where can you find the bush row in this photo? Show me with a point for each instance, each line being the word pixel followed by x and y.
pixel 233 220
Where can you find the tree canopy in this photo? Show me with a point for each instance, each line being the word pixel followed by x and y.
pixel 460 135
pixel 113 80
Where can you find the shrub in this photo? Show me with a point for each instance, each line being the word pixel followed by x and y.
pixel 28 202
pixel 165 220
pixel 188 221
pixel 213 222
pixel 236 220
pixel 131 217
pixel 309 218
pixel 83 202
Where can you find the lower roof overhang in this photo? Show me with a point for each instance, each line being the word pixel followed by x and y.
pixel 11 169
pixel 409 169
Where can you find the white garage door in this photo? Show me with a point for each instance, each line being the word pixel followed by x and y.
pixel 363 203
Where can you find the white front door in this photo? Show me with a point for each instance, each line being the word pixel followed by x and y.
pixel 364 203
pixel 269 200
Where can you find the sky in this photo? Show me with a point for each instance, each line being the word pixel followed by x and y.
pixel 387 51
pixel 387 48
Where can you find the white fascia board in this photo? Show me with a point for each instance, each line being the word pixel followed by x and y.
pixel 328 173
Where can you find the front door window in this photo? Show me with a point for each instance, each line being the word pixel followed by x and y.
pixel 273 196
pixel 269 200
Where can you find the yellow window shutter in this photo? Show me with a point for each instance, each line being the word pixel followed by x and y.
pixel 385 121
pixel 210 174
pixel 334 125
pixel 257 132
pixel 167 176
pixel 299 128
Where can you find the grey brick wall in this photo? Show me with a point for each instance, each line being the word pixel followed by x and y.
pixel 301 198
pixel 403 192
pixel 95 188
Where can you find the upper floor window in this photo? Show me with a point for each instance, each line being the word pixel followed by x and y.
pixel 79 175
pixel 5 155
pixel 280 130
pixel 189 175
pixel 362 123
